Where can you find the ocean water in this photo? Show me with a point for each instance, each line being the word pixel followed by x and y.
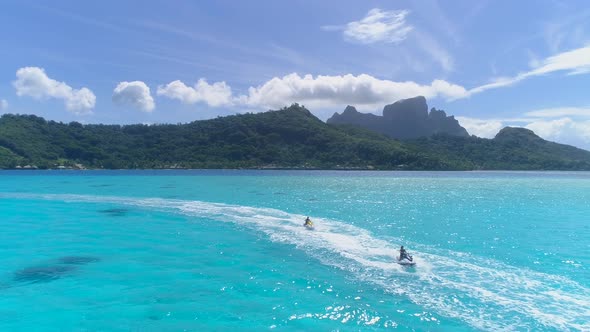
pixel 226 250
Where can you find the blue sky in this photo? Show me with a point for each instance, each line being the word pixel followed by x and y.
pixel 489 63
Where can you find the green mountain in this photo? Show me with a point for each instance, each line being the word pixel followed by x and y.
pixel 512 148
pixel 289 138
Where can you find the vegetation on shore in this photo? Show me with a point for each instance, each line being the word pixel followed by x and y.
pixel 289 138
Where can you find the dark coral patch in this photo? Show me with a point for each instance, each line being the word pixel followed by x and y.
pixel 115 212
pixel 37 274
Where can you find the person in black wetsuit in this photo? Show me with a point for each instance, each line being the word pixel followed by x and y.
pixel 307 222
pixel 404 254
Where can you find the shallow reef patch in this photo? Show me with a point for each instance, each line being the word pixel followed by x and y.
pixel 38 274
pixel 115 212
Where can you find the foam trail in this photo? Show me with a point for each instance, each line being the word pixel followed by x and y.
pixel 484 293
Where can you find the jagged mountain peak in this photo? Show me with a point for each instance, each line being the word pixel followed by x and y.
pixel 404 119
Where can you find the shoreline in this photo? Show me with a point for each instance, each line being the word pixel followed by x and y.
pixel 294 169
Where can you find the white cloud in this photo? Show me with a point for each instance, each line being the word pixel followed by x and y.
pixel 573 62
pixel 549 129
pixel 382 26
pixel 3 104
pixel 378 26
pixel 534 61
pixel 363 91
pixel 335 91
pixel 431 47
pixel 136 94
pixel 554 36
pixel 566 30
pixel 215 95
pixel 563 129
pixel 570 125
pixel 554 124
pixel 480 127
pixel 560 111
pixel 33 82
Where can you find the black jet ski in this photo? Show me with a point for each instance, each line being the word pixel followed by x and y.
pixel 406 262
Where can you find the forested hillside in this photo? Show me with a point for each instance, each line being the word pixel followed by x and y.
pixel 288 138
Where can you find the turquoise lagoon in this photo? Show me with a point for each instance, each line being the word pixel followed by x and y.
pixel 225 250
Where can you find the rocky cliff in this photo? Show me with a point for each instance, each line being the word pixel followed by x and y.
pixel 404 119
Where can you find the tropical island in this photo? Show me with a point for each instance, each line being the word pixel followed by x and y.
pixel 406 137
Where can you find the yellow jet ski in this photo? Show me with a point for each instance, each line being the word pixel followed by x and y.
pixel 308 223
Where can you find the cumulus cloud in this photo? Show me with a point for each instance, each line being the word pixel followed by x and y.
pixel 550 124
pixel 563 129
pixel 136 94
pixel 215 95
pixel 378 26
pixel 570 125
pixel 34 82
pixel 335 91
pixel 572 62
pixel 3 104
pixel 480 127
pixel 363 91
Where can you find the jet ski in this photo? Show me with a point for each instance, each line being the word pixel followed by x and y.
pixel 405 261
pixel 308 225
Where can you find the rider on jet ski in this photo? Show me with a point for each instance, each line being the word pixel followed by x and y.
pixel 403 254
pixel 307 222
